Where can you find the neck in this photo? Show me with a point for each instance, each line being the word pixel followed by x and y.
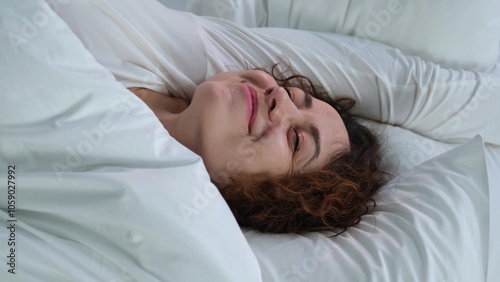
pixel 160 103
pixel 168 110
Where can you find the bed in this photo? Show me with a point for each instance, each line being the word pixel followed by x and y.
pixel 94 189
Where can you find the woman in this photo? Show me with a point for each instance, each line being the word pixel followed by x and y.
pixel 285 158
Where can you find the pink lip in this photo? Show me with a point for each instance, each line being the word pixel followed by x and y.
pixel 252 103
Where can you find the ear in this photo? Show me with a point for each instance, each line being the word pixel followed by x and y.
pixel 346 103
pixel 221 179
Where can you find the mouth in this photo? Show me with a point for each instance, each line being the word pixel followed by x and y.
pixel 252 103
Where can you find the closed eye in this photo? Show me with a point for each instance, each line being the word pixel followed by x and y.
pixel 290 93
pixel 297 143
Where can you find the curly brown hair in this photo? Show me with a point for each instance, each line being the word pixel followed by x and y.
pixel 334 197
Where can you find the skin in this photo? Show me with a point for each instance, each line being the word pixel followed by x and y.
pixel 215 125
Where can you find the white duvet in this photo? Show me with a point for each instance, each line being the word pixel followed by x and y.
pixel 103 193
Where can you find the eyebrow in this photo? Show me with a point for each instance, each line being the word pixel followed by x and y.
pixel 307 100
pixel 313 130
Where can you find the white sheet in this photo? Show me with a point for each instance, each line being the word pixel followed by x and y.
pixel 96 240
pixel 376 249
pixel 443 104
pixel 102 192
pixel 457 34
pixel 493 163
pixel 398 79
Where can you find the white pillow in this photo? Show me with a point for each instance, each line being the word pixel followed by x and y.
pixel 390 86
pixel 103 193
pixel 229 45
pixel 250 13
pixel 453 33
pixel 149 50
pixel 431 224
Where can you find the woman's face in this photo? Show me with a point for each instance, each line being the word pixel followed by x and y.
pixel 244 122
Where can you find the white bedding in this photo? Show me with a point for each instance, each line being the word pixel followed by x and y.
pixel 390 87
pixel 457 34
pixel 104 193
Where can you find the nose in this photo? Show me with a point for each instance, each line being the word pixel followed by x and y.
pixel 281 109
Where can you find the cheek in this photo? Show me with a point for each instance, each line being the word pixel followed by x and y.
pixel 237 156
pixel 247 157
pixel 226 156
pixel 260 157
pixel 207 91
